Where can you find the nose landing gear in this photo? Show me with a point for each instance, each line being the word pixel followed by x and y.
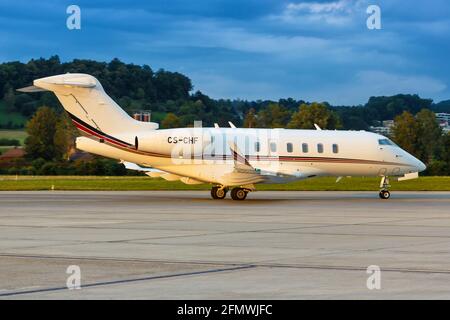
pixel 384 185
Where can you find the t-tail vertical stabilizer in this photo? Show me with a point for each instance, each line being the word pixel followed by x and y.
pixel 83 97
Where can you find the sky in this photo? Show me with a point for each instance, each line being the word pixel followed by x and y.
pixel 250 49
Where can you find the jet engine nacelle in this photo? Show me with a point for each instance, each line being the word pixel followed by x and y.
pixel 176 142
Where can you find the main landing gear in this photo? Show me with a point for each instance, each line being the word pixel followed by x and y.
pixel 218 192
pixel 239 194
pixel 384 185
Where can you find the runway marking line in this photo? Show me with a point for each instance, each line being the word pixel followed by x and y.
pixel 112 282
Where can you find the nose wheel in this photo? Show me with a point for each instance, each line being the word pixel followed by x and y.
pixel 384 185
pixel 384 194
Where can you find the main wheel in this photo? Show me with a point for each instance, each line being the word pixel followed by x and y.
pixel 384 194
pixel 218 193
pixel 238 194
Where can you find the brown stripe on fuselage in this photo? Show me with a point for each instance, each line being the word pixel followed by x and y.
pixel 116 143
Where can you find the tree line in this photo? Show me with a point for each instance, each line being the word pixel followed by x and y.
pixel 132 86
pixel 170 97
pixel 51 138
pixel 421 136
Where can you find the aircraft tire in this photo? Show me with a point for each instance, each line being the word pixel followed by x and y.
pixel 218 193
pixel 384 194
pixel 238 194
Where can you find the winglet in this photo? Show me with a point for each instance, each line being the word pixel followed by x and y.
pixel 317 127
pixel 231 125
pixel 216 126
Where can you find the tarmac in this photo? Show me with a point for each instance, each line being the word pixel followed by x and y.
pixel 184 245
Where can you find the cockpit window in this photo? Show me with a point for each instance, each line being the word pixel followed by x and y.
pixel 385 142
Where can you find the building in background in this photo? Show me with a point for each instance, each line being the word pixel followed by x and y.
pixel 444 121
pixel 385 128
pixel 9 157
pixel 142 115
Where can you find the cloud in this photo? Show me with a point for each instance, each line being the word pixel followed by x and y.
pixel 314 50
pixel 337 13
pixel 318 7
pixel 213 34
pixel 231 59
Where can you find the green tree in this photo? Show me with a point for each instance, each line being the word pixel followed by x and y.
pixel 64 138
pixel 406 133
pixel 429 135
pixel 445 153
pixel 171 121
pixel 46 135
pixel 383 108
pixel 273 116
pixel 171 85
pixel 10 100
pixel 440 165
pixel 250 120
pixel 314 113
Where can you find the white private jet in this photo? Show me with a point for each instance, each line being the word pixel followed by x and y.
pixel 224 157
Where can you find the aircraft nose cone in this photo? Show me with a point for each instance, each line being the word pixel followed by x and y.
pixel 416 164
pixel 420 166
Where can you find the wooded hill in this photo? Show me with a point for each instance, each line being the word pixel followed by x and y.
pixel 172 100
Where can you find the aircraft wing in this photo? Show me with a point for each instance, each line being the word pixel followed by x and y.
pixel 243 173
pixel 240 161
pixel 152 172
pixel 409 176
pixel 156 173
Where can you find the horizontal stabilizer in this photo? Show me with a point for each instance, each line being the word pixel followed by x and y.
pixel 31 89
pixel 68 80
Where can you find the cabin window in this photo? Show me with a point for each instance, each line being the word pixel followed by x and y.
pixel 386 142
pixel 289 147
pixel 335 148
pixel 257 146
pixel 305 147
pixel 320 148
pixel 273 147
